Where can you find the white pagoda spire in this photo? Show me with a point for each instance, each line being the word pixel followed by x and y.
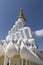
pixel 20 23
pixel 21 20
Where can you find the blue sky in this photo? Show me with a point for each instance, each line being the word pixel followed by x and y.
pixel 33 12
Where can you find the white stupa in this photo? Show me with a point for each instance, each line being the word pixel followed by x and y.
pixel 19 45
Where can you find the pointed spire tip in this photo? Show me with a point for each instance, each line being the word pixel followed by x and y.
pixel 21 14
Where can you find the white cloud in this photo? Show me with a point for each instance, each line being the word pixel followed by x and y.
pixel 39 33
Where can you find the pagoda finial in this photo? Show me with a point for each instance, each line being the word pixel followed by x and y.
pixel 21 14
